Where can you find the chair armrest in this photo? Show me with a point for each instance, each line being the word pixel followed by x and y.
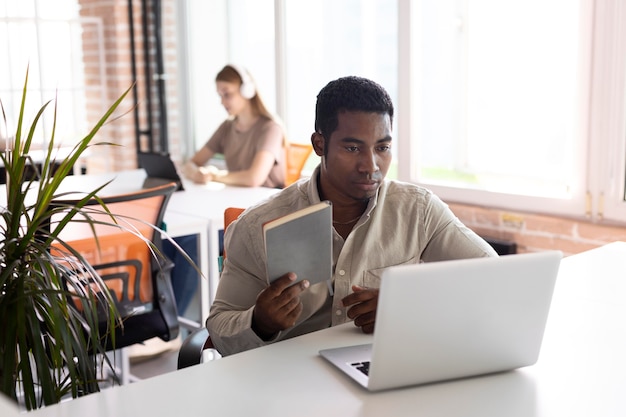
pixel 191 350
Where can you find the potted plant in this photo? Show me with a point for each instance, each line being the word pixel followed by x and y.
pixel 48 348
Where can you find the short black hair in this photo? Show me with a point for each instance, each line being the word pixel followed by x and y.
pixel 350 93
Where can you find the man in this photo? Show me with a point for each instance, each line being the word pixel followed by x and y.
pixel 377 223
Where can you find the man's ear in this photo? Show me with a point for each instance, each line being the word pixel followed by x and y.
pixel 317 140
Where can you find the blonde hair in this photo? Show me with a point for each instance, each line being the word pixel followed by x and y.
pixel 230 74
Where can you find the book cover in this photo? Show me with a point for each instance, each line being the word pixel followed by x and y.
pixel 301 242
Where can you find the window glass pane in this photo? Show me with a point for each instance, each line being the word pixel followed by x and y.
pixel 251 38
pixel 328 39
pixel 12 8
pixel 58 9
pixel 47 40
pixel 222 32
pixel 497 100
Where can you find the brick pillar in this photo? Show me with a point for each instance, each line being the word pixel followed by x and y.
pixel 118 75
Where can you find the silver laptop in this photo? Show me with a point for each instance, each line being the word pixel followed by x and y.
pixel 454 319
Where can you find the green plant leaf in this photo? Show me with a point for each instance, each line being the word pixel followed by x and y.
pixel 49 348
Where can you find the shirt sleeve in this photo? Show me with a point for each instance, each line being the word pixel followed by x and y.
pixel 449 237
pixel 215 142
pixel 243 278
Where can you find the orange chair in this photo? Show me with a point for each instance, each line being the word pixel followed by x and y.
pixel 126 257
pixel 230 215
pixel 296 156
pixel 190 352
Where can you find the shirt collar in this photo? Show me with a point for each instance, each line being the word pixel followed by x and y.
pixel 314 196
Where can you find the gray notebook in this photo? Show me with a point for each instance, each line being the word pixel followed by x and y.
pixel 453 319
pixel 301 242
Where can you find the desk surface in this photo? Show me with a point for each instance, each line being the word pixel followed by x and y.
pixel 206 201
pixel 581 370
pixel 7 407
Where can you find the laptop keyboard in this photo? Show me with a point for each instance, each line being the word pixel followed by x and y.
pixel 362 366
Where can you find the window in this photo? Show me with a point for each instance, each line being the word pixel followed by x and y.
pixel 350 37
pixel 47 37
pixel 329 39
pixel 607 126
pixel 576 167
pixel 221 32
pixel 496 106
pixel 516 105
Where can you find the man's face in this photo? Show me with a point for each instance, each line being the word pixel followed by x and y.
pixel 357 157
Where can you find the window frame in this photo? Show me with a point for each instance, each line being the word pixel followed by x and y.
pixel 607 133
pixel 574 206
pixel 82 88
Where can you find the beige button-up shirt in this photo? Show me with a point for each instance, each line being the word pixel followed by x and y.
pixel 403 224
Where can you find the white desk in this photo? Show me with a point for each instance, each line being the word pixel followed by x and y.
pixel 581 370
pixel 7 407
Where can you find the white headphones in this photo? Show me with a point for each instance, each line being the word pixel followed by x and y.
pixel 247 88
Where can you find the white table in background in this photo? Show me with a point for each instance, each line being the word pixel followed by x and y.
pixel 581 371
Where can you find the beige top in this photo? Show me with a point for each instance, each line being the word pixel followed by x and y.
pixel 404 224
pixel 240 148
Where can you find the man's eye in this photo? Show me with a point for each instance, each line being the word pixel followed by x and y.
pixel 384 148
pixel 352 148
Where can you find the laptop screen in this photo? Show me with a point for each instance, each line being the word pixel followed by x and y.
pixel 159 168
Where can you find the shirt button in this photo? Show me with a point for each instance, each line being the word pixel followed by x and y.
pixel 342 272
pixel 338 312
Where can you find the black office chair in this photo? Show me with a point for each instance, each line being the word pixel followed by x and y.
pixel 193 347
pixel 128 256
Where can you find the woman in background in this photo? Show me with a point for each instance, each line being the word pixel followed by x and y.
pixel 253 144
pixel 251 139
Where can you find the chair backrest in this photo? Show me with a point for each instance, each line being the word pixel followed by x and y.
pixel 128 256
pixel 296 156
pixel 230 215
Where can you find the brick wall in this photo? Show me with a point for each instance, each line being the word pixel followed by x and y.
pixel 114 15
pixel 535 232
